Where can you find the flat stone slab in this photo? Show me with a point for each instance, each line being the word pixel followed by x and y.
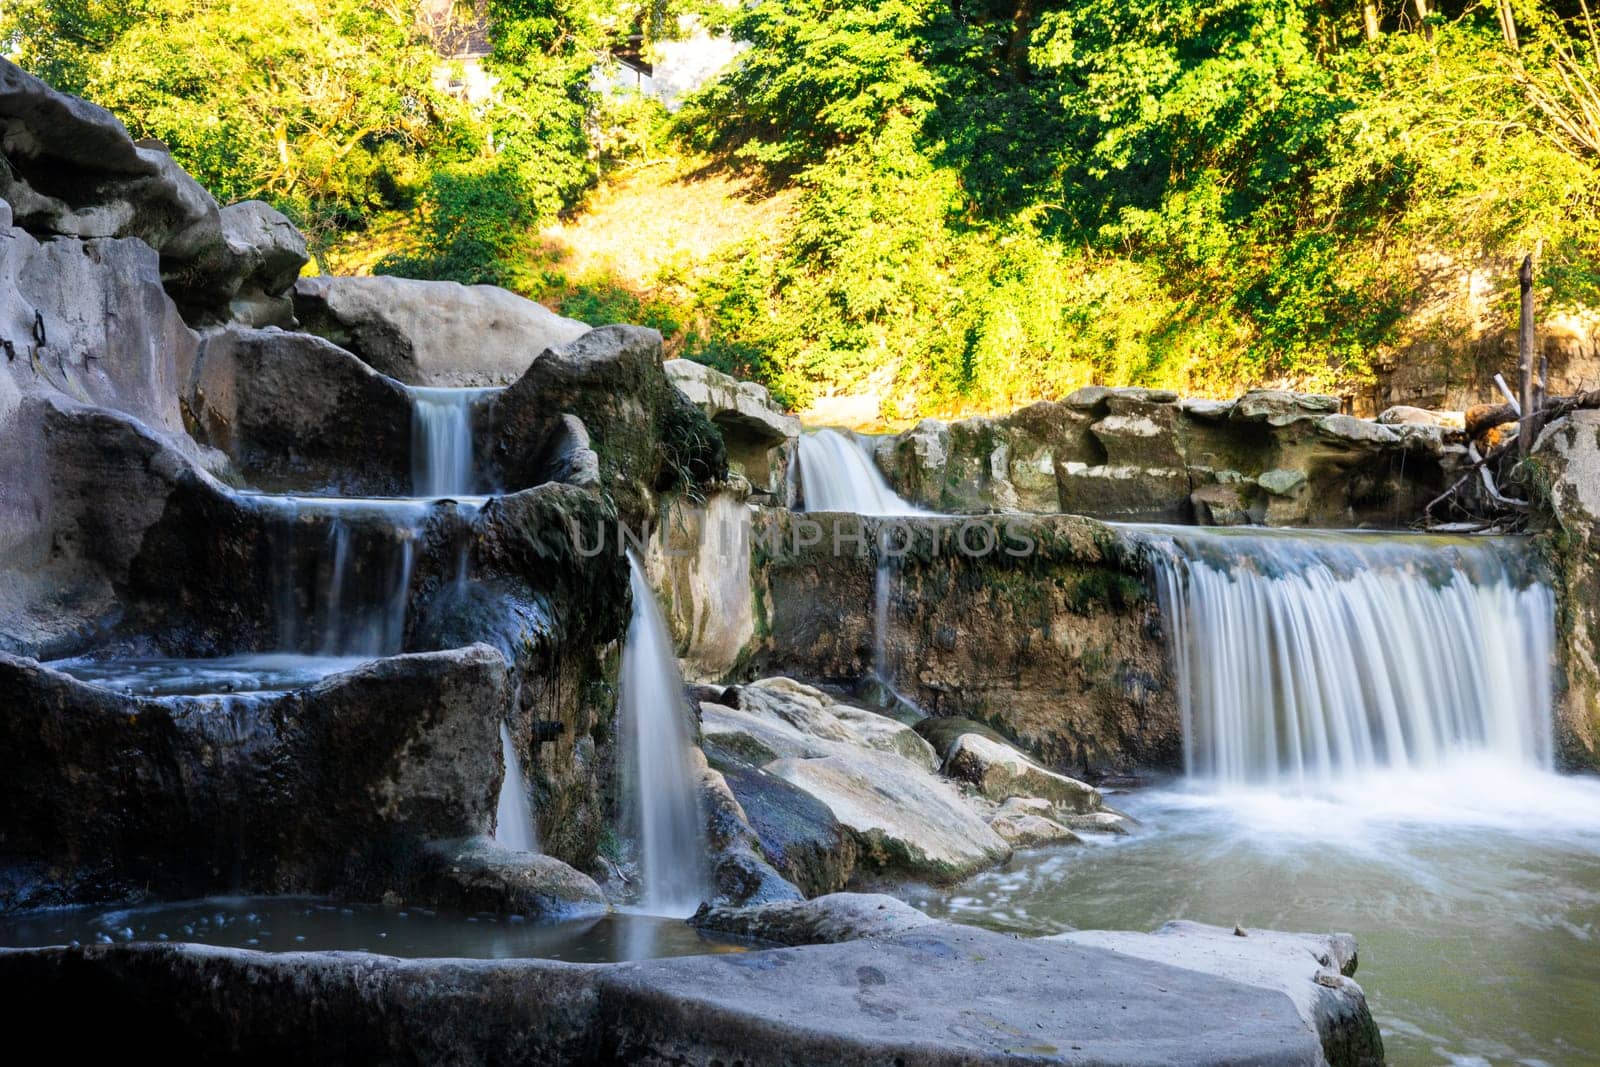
pixel 933 995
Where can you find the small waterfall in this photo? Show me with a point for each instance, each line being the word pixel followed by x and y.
pixel 441 441
pixel 341 572
pixel 513 821
pixel 660 784
pixel 836 474
pixel 1304 659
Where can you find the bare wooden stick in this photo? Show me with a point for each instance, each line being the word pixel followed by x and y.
pixel 1511 398
pixel 1525 353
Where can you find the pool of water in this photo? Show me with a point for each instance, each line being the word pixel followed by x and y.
pixel 291 924
pixel 1474 896
pixel 266 672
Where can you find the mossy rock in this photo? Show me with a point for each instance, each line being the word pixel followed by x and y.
pixel 943 731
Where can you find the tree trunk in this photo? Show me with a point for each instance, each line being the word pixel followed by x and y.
pixel 1508 21
pixel 1422 17
pixel 1525 354
pixel 1369 20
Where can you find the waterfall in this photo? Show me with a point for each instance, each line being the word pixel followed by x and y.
pixel 660 782
pixel 513 821
pixel 836 474
pixel 441 441
pixel 1304 659
pixel 341 571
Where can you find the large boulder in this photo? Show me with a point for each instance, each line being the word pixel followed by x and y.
pixel 858 770
pixel 827 920
pixel 73 518
pixel 295 412
pixel 74 171
pixel 932 994
pixel 328 789
pixel 999 772
pixel 905 820
pixel 475 875
pixel 432 333
pixel 646 435
pixel 1312 970
pixel 797 832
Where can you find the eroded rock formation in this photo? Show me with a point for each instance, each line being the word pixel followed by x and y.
pixel 1283 459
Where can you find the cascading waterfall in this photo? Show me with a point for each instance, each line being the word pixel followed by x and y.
pixel 660 783
pixel 837 474
pixel 514 827
pixel 1305 659
pixel 342 570
pixel 441 441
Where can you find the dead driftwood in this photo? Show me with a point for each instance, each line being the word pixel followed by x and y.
pixel 1486 417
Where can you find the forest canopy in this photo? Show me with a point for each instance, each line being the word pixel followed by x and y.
pixel 993 203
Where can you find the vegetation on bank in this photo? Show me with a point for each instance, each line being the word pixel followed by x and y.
pixel 967 205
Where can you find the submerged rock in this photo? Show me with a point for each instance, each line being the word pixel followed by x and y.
pixel 432 333
pixel 827 920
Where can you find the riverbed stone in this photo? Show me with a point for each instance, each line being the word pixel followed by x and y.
pixel 1000 772
pixel 430 332
pixel 476 875
pixel 905 820
pixel 826 920
pixel 1029 829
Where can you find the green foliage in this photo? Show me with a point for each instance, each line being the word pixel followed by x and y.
pixel 327 108
pixel 1005 202
pixel 474 220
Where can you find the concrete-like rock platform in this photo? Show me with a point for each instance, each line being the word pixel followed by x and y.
pixel 934 994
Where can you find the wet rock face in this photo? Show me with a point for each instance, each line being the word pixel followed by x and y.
pixel 330 789
pixel 1567 457
pixel 1061 648
pixel 647 436
pixel 432 333
pixel 1284 459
